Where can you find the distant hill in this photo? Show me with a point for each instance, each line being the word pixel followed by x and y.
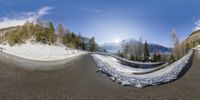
pixel 111 47
pixel 114 47
pixel 162 49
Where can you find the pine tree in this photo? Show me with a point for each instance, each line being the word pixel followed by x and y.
pixel 51 33
pixel 51 27
pixel 132 58
pixel 80 42
pixel 73 35
pixel 83 45
pixel 92 43
pixel 154 57
pixel 158 56
pixel 146 51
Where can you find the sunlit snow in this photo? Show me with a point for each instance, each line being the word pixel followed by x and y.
pixel 40 52
pixel 124 74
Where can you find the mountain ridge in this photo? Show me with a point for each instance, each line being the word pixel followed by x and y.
pixel 114 47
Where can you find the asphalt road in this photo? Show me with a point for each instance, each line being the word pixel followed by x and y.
pixel 78 80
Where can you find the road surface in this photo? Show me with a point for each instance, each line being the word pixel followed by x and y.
pixel 78 80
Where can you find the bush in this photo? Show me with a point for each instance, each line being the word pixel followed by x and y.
pixel 14 39
pixel 70 45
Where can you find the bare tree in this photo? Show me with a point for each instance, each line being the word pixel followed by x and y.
pixel 132 50
pixel 61 32
pixel 140 49
pixel 175 42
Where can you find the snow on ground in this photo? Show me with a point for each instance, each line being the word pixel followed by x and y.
pixel 115 63
pixel 134 63
pixel 198 47
pixel 124 74
pixel 40 52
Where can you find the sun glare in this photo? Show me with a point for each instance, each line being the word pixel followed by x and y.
pixel 116 40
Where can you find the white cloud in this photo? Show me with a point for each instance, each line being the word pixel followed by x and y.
pixel 197 25
pixel 22 17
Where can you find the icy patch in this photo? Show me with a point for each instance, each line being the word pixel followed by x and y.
pixel 124 74
pixel 40 52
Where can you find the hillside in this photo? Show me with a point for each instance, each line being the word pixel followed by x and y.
pixel 194 39
pixel 40 42
pixel 190 42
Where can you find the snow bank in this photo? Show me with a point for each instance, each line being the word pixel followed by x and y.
pixel 40 52
pixel 134 63
pixel 124 74
pixel 116 64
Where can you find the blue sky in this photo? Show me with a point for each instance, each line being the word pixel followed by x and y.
pixel 111 20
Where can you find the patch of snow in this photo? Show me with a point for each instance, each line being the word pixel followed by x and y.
pixel 124 74
pixel 198 47
pixel 40 52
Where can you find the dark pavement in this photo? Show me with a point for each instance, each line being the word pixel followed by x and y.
pixel 78 80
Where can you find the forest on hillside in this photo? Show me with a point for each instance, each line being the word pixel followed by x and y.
pixel 46 33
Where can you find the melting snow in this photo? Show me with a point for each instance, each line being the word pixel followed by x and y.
pixel 124 74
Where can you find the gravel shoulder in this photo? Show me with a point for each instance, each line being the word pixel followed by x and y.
pixel 79 80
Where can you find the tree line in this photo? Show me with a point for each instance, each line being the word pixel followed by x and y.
pixel 72 40
pixel 138 52
pixel 47 34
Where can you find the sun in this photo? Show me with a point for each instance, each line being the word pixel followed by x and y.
pixel 116 40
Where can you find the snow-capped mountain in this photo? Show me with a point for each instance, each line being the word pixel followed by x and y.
pixel 111 47
pixel 162 49
pixel 114 47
